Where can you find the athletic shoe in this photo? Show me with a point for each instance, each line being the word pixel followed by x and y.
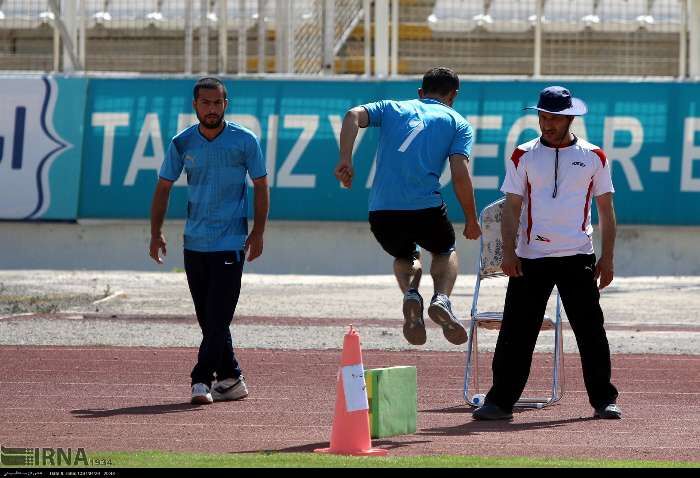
pixel 440 311
pixel 229 389
pixel 413 325
pixel 201 395
pixel 610 411
pixel 491 412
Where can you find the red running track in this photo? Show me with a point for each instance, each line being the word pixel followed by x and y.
pixel 119 398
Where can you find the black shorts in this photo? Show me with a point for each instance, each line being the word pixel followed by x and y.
pixel 398 232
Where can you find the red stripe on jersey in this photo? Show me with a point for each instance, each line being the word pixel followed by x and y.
pixel 515 157
pixel 585 208
pixel 601 155
pixel 529 211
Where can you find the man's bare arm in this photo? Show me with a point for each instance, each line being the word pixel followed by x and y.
pixel 254 242
pixel 355 119
pixel 462 184
pixel 608 226
pixel 159 206
pixel 509 232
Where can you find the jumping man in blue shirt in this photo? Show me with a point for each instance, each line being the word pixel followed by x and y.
pixel 216 156
pixel 406 209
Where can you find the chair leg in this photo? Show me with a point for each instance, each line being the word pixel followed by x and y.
pixel 561 375
pixel 468 366
pixel 557 377
pixel 476 358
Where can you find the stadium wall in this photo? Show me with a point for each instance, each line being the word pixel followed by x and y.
pixel 88 150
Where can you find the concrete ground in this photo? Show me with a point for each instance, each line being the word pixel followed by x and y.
pixel 128 308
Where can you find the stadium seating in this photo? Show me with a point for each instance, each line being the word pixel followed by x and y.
pixel 605 37
pixel 457 16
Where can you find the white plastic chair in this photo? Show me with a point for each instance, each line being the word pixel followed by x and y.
pixel 23 14
pixel 666 16
pixel 488 266
pixel 622 15
pixel 457 15
pixel 235 15
pixel 566 16
pixel 511 16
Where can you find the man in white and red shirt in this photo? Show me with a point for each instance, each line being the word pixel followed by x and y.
pixel 549 185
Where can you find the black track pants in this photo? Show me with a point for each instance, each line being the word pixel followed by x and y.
pixel 214 279
pixel 525 304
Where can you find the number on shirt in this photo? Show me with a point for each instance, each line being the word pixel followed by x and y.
pixel 414 132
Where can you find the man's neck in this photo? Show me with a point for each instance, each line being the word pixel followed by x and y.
pixel 211 133
pixel 436 98
pixel 568 140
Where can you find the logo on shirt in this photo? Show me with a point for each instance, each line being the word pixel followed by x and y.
pixel 578 163
pixel 414 123
pixel 541 238
pixel 189 157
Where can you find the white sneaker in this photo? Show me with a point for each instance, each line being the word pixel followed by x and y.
pixel 201 394
pixel 229 389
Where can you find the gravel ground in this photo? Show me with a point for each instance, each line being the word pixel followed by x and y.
pixel 643 314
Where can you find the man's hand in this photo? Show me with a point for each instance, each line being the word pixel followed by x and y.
pixel 157 242
pixel 604 271
pixel 472 230
pixel 254 245
pixel 511 265
pixel 344 173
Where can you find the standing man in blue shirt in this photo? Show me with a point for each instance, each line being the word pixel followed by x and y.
pixel 406 209
pixel 216 156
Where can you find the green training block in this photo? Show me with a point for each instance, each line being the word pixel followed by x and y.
pixel 393 401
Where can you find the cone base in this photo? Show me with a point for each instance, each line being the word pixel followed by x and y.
pixel 368 452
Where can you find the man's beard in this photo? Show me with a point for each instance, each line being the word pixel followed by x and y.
pixel 209 125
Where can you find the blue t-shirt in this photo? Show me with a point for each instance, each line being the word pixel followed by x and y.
pixel 217 193
pixel 416 138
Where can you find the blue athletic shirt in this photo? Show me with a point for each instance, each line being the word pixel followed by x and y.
pixel 416 138
pixel 217 202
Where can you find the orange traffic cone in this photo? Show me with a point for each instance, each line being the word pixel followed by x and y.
pixel 351 434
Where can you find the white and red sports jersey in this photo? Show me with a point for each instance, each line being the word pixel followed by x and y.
pixel 556 218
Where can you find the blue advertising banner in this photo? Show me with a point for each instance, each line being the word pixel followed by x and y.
pixel 650 132
pixel 41 129
pixel 91 148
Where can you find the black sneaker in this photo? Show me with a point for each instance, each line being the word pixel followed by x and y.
pixel 611 412
pixel 413 325
pixel 491 412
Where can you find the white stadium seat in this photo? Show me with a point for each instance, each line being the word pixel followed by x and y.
pixel 666 16
pixel 511 16
pixel 622 15
pixel 457 15
pixel 23 14
pixel 568 16
pixel 234 13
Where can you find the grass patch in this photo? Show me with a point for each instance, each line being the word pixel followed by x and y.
pixel 15 300
pixel 158 459
pixel 41 304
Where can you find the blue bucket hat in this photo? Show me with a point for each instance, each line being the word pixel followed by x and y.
pixel 558 100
